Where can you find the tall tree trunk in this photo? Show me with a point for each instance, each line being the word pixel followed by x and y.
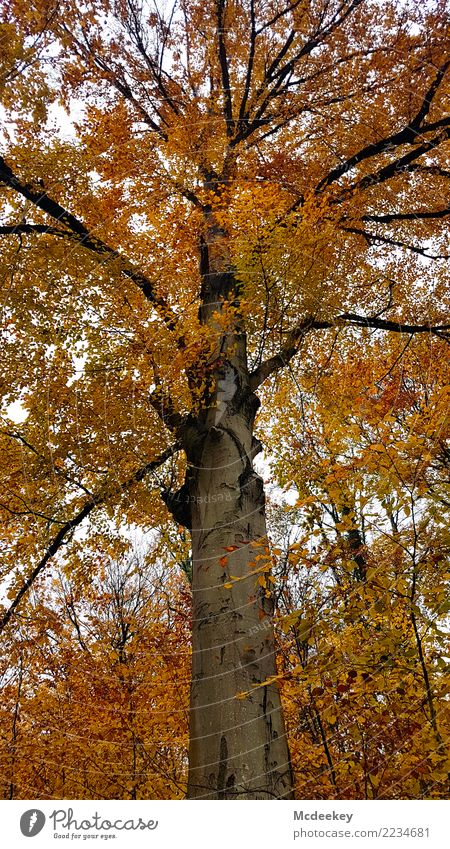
pixel 238 746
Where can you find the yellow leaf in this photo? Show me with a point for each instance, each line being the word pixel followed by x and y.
pixel 262 581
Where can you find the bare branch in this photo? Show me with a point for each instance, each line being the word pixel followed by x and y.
pixel 67 529
pixel 85 49
pixel 398 165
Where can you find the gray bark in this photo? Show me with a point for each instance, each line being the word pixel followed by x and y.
pixel 238 746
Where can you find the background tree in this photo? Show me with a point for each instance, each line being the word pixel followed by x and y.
pixel 95 686
pixel 237 179
pixel 364 607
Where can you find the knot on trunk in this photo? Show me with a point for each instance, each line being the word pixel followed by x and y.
pixel 251 488
pixel 179 505
pixel 247 403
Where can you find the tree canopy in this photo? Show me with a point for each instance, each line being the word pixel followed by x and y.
pixel 212 211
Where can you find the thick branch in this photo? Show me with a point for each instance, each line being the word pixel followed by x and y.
pixel 398 165
pixel 281 359
pixel 59 539
pixel 428 99
pixel 352 319
pixel 277 72
pixel 386 240
pixel 290 349
pixel 78 232
pixel 418 214
pixel 224 70
pixel 163 405
pixel 19 229
pixel 251 57
pixel 408 135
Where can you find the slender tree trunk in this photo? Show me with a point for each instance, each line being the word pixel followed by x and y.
pixel 238 746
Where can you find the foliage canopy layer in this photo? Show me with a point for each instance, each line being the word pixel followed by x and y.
pixel 247 205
